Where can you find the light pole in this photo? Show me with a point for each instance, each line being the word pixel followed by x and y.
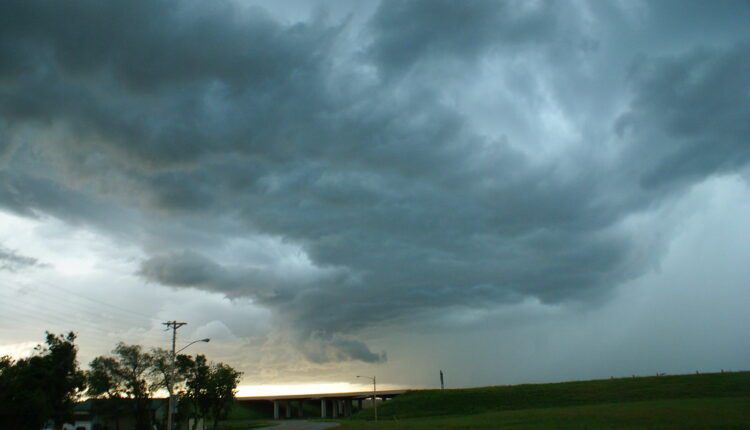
pixel 374 394
pixel 174 354
pixel 170 408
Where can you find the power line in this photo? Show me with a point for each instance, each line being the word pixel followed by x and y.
pixel 57 288
pixel 100 302
pixel 38 300
pixel 45 311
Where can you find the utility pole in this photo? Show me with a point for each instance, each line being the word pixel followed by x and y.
pixel 374 394
pixel 173 325
pixel 374 398
pixel 442 382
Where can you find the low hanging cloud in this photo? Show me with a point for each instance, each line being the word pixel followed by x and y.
pixel 12 261
pixel 323 348
pixel 318 341
pixel 694 105
pixel 182 127
pixel 189 269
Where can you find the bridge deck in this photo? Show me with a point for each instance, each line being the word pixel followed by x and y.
pixel 340 403
pixel 343 395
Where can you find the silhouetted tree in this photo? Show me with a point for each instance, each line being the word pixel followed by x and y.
pixel 210 388
pixel 164 374
pixel 43 387
pixel 222 386
pixel 126 375
pixel 196 382
pixel 105 382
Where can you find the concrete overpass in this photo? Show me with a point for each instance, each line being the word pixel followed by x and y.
pixel 333 405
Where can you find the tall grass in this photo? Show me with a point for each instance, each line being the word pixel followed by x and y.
pixel 424 403
pixel 677 414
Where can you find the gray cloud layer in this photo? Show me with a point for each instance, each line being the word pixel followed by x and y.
pixel 12 260
pixel 694 104
pixel 224 123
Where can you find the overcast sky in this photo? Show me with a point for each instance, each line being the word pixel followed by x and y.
pixel 510 191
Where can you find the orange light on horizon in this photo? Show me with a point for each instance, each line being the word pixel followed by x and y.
pixel 321 388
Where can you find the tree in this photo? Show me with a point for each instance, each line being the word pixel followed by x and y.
pixel 222 386
pixel 131 375
pixel 64 380
pixel 196 383
pixel 163 371
pixel 166 375
pixel 126 375
pixel 105 382
pixel 210 388
pixel 42 387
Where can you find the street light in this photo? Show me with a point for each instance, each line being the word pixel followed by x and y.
pixel 374 394
pixel 195 341
pixel 170 408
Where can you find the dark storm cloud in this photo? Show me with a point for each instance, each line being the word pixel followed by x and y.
pixel 338 348
pixel 406 33
pixel 159 80
pixel 225 124
pixel 696 106
pixel 316 339
pixel 190 269
pixel 187 269
pixel 150 44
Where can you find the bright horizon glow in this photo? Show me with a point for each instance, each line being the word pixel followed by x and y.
pixel 18 350
pixel 324 388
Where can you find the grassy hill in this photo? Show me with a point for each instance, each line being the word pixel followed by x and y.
pixel 681 414
pixel 442 403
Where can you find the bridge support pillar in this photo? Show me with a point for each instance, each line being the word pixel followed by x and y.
pixel 288 407
pixel 348 407
pixel 299 408
pixel 359 404
pixel 323 408
pixel 335 408
pixel 276 409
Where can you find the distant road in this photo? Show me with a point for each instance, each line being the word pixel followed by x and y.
pixel 301 425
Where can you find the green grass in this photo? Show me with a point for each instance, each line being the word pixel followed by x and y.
pixel 718 400
pixel 243 417
pixel 432 403
pixel 240 411
pixel 244 424
pixel 696 413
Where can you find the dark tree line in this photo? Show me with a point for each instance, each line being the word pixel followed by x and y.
pixel 44 388
pixel 127 380
pixel 209 388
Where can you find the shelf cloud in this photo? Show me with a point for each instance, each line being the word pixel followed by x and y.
pixel 435 155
